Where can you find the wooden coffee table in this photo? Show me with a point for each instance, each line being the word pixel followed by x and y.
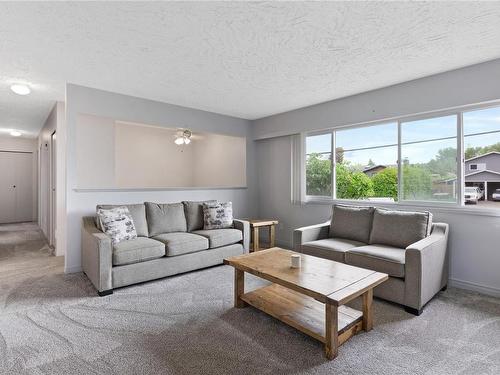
pixel 310 298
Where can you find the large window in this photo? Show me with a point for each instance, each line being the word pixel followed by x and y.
pixel 410 160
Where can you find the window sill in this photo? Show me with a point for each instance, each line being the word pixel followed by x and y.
pixel 431 206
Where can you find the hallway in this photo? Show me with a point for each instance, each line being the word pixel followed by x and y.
pixel 29 273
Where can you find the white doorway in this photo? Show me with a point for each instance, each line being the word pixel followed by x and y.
pixel 16 186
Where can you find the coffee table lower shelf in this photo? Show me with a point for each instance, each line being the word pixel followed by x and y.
pixel 303 312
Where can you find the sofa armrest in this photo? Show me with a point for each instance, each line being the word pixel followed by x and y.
pixel 244 226
pixel 96 255
pixel 310 233
pixel 426 267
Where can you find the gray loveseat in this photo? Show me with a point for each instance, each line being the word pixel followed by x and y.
pixel 171 240
pixel 406 245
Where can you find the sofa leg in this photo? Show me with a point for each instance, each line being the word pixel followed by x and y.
pixel 444 288
pixel 413 311
pixel 105 292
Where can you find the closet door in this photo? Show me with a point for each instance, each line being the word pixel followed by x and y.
pixel 24 187
pixel 16 187
pixel 7 189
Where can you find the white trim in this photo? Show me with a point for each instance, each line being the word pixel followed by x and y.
pixel 91 190
pixel 480 156
pixel 480 288
pixel 400 170
pixel 482 171
pixel 334 165
pixel 460 179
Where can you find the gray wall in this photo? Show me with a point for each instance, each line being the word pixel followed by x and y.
pixel 474 236
pixel 82 100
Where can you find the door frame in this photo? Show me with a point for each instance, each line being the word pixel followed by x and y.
pixel 52 189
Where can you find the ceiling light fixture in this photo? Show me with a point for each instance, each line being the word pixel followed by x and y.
pixel 15 133
pixel 20 89
pixel 183 137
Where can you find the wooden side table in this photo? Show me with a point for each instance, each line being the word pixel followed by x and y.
pixel 255 225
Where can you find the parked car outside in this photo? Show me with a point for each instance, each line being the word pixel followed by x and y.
pixel 472 194
pixel 496 195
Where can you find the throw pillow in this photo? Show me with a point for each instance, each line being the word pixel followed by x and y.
pixel 117 223
pixel 138 213
pixel 218 216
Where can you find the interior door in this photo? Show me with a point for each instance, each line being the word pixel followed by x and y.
pixel 16 187
pixel 7 183
pixel 24 187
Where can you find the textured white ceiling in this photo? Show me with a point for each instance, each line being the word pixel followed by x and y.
pixel 243 59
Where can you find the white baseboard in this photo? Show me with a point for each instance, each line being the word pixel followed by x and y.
pixel 72 269
pixel 467 285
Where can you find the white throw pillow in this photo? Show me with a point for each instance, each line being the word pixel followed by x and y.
pixel 117 223
pixel 218 216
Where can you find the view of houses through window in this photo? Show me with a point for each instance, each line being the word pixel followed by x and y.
pixel 482 157
pixel 366 160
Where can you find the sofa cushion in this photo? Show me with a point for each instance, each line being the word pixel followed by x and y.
pixel 399 228
pixel 380 258
pixel 137 250
pixel 221 237
pixel 138 213
pixel 182 243
pixel 330 248
pixel 194 214
pixel 351 222
pixel 165 218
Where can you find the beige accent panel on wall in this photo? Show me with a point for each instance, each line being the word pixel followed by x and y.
pixel 121 155
pixel 146 156
pixel 220 160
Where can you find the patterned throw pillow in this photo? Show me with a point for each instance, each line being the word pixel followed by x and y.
pixel 117 223
pixel 218 216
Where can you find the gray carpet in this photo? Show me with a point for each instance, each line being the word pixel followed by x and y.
pixel 52 323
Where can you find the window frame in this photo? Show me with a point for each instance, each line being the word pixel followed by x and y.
pixel 459 203
pixel 319 198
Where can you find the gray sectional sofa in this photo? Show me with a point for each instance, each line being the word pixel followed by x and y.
pixel 406 245
pixel 171 240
